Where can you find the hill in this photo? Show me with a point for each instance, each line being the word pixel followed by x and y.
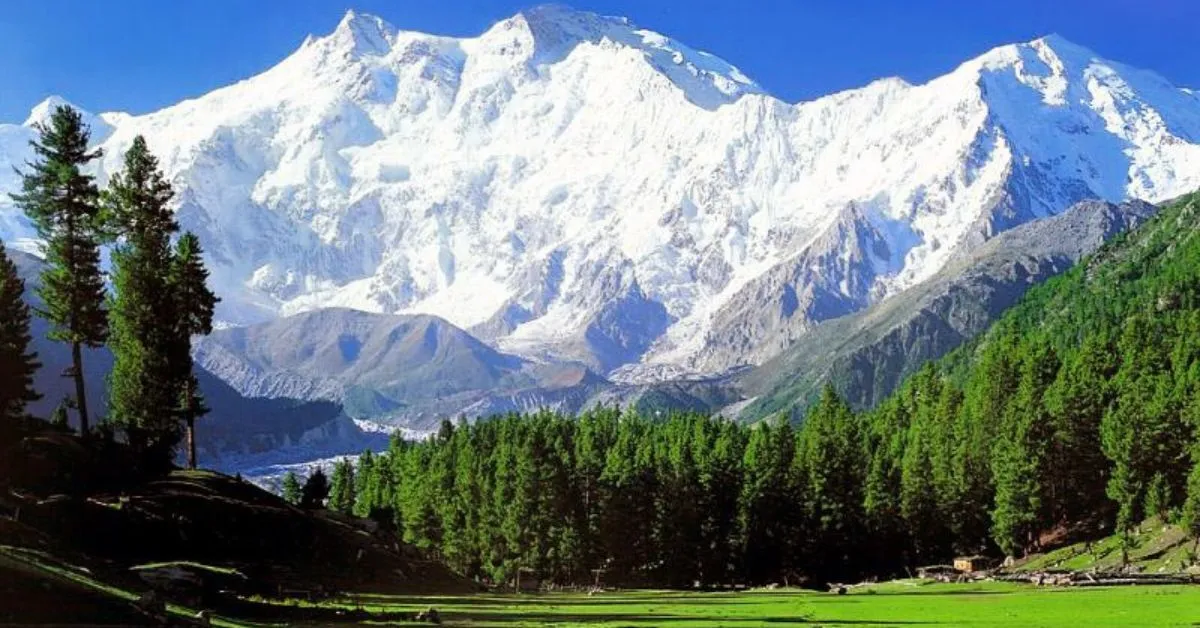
pixel 1076 409
pixel 412 370
pixel 79 520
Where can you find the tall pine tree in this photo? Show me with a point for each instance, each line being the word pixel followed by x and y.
pixel 193 311
pixel 143 390
pixel 17 364
pixel 342 487
pixel 63 203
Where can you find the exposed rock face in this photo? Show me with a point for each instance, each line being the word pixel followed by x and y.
pixel 869 353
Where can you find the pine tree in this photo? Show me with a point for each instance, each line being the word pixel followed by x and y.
pixel 1190 514
pixel 143 388
pixel 291 489
pixel 1020 454
pixel 366 485
pixel 63 203
pixel 315 491
pixel 829 457
pixel 193 308
pixel 342 488
pixel 767 505
pixel 1138 433
pixel 1077 401
pixel 17 363
pixel 59 418
pixel 918 495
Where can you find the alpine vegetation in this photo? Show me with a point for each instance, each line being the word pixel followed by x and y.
pixel 159 298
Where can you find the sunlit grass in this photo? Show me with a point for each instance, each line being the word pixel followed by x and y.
pixel 897 603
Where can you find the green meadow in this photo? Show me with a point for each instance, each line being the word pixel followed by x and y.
pixel 902 603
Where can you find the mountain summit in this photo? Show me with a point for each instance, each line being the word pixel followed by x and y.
pixel 571 186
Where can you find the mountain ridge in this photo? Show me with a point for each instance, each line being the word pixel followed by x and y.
pixel 572 187
pixel 866 355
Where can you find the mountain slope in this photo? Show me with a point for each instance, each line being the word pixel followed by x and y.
pixel 411 369
pixel 1073 413
pixel 867 354
pixel 570 186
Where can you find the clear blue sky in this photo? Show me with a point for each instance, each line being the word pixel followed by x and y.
pixel 139 55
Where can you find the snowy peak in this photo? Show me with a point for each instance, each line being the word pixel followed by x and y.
pixel 41 112
pixel 363 34
pixel 549 33
pixel 101 126
pixel 573 186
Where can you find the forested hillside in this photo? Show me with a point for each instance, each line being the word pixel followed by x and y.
pixel 1074 413
pixel 1079 404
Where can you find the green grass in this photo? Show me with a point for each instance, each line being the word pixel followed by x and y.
pixel 35 566
pixel 892 604
pixel 1157 548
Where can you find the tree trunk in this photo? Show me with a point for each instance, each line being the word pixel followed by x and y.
pixel 191 441
pixel 190 410
pixel 80 393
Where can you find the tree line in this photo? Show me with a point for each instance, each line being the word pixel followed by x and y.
pixel 158 298
pixel 1076 412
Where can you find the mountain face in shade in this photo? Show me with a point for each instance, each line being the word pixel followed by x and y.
pixel 571 187
pixel 868 354
pixel 412 370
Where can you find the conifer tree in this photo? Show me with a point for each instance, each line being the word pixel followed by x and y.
pixel 918 496
pixel 767 508
pixel 315 491
pixel 143 388
pixel 1019 456
pixel 17 363
pixel 829 456
pixel 1077 401
pixel 1190 513
pixel 366 485
pixel 1138 432
pixel 63 203
pixel 193 308
pixel 341 488
pixel 59 417
pixel 291 489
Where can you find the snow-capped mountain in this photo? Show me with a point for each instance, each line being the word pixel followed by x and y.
pixel 567 185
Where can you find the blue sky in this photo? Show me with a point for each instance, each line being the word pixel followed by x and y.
pixel 139 55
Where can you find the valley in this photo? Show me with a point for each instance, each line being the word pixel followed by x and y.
pixel 563 321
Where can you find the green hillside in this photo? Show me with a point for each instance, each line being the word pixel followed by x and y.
pixel 1075 409
pixel 1154 547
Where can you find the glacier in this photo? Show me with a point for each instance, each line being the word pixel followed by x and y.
pixel 569 186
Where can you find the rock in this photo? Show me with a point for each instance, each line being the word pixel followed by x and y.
pixel 430 615
pixel 151 604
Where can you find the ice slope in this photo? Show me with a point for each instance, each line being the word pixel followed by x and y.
pixel 567 185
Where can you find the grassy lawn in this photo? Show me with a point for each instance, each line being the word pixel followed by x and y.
pixel 893 604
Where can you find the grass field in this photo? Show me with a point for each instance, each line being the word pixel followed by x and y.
pixel 893 604
pixel 61 594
